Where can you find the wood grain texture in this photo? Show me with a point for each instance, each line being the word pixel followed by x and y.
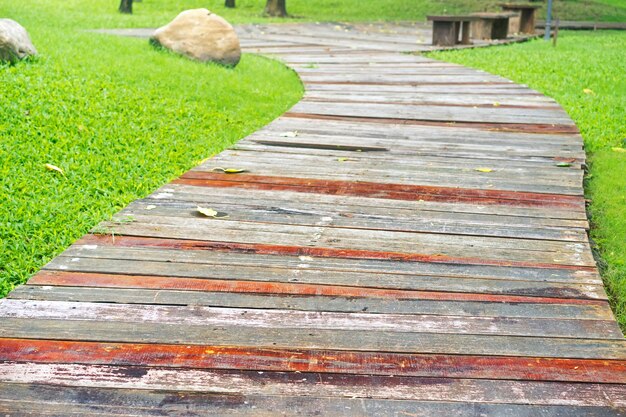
pixel 316 384
pixel 326 361
pixel 26 400
pixel 408 240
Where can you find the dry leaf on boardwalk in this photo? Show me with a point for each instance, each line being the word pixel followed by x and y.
pixel 229 170
pixel 209 212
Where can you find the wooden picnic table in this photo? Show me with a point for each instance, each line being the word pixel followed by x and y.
pixel 446 29
pixel 525 23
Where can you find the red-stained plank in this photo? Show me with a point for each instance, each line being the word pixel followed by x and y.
pixel 81 279
pixel 265 249
pixel 382 190
pixel 326 361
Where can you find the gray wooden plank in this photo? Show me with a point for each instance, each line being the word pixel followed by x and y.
pixel 27 400
pixel 313 303
pixel 286 214
pixel 353 279
pixel 288 263
pixel 435 113
pixel 574 217
pixel 287 319
pixel 452 246
pixel 352 340
pixel 320 385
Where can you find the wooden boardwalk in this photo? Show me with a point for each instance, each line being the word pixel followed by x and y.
pixel 408 240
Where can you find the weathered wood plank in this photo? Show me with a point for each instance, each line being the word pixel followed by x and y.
pixel 171 251
pixel 281 319
pixel 48 279
pixel 233 299
pixel 415 170
pixel 434 113
pixel 26 400
pixel 253 211
pixel 305 276
pixel 388 189
pixel 312 384
pixel 288 338
pixel 324 361
pixel 553 216
pixel 516 251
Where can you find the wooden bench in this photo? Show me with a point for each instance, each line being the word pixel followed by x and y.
pixel 491 25
pixel 446 29
pixel 524 22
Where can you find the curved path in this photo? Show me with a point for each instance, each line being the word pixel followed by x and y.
pixel 408 240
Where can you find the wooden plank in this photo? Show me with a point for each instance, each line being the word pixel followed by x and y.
pixel 416 135
pixel 486 101
pixel 163 250
pixel 325 361
pixel 119 294
pixel 302 275
pixel 381 161
pixel 554 216
pixel 527 127
pixel 26 400
pixel 549 179
pixel 434 151
pixel 388 189
pixel 514 283
pixel 287 319
pixel 574 307
pixel 514 252
pixel 434 113
pixel 285 214
pixel 312 384
pixel 350 340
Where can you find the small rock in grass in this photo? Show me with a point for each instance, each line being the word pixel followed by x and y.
pixel 200 35
pixel 15 44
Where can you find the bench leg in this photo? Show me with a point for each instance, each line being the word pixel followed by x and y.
pixel 444 33
pixel 527 21
pixel 481 29
pixel 514 23
pixel 500 29
pixel 465 36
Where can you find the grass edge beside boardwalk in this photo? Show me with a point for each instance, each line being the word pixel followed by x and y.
pixel 585 74
pixel 120 119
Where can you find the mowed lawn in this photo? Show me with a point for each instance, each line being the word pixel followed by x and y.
pixel 586 74
pixel 118 117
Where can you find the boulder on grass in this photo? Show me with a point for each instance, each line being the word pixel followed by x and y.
pixel 200 35
pixel 15 44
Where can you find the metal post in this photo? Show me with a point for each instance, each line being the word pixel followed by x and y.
pixel 548 21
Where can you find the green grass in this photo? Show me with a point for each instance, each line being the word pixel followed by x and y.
pixel 581 61
pixel 120 118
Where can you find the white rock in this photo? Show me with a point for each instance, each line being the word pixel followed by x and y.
pixel 200 35
pixel 15 44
